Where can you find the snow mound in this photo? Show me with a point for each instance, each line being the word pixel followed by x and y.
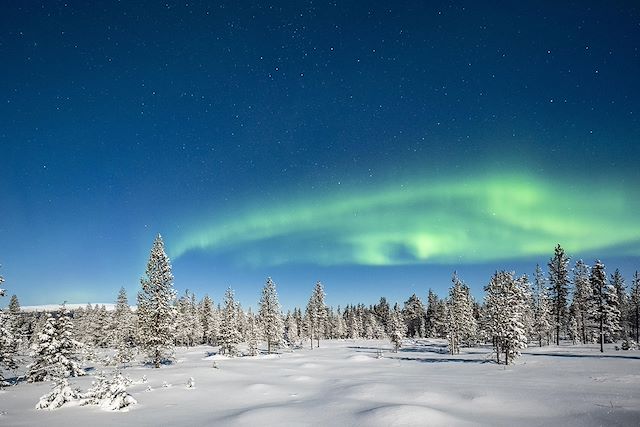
pixel 408 415
pixel 361 358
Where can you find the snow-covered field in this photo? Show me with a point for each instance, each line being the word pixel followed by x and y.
pixel 343 383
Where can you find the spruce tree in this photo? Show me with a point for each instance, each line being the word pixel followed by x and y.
pixel 634 307
pixel 581 298
pixel 269 316
pixel 559 288
pixel 398 329
pixel 542 321
pixel 461 323
pixel 9 339
pixel 504 302
pixel 617 281
pixel 209 320
pixel 414 316
pixel 55 353
pixel 156 311
pixel 123 329
pixel 252 336
pixel 189 326
pixel 229 332
pixel 316 313
pixel 604 303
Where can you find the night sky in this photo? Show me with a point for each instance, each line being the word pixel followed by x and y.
pixel 376 146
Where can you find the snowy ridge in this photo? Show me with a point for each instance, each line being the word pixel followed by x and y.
pixel 56 307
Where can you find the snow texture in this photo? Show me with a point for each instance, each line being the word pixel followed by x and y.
pixel 343 383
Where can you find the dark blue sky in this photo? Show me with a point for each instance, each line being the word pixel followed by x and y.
pixel 376 146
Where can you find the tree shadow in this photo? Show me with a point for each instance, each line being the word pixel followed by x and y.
pixel 592 356
pixel 445 360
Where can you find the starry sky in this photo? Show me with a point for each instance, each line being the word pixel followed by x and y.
pixel 376 146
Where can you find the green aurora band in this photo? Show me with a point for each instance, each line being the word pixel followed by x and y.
pixel 468 220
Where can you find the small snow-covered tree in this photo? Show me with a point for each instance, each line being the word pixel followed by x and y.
pixel 316 313
pixel 269 315
pixel 109 394
pixel 604 304
pixel 504 302
pixel 559 289
pixel 61 394
pixel 156 311
pixel 229 332
pixel 398 329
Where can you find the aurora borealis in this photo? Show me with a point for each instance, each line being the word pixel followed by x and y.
pixel 374 146
pixel 470 220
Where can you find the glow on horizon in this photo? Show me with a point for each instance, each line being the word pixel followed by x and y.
pixel 456 221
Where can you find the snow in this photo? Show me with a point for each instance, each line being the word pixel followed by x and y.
pixel 343 383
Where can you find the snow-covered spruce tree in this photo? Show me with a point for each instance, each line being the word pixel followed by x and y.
pixel 316 313
pixel 19 326
pixel 156 311
pixel 634 306
pixel 617 281
pixel 398 329
pixel 110 394
pixel 123 333
pixel 252 335
pixel 504 302
pixel 55 352
pixel 102 327
pixel 269 316
pixel 542 312
pixel 44 352
pixel 209 321
pixel 559 288
pixel 528 307
pixel 382 312
pixel 581 297
pixel 414 316
pixel 290 329
pixel 68 347
pixel 229 333
pixel 60 394
pixel 461 323
pixel 604 304
pixel 189 327
pixel 9 341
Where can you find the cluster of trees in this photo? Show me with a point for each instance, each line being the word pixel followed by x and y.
pixel 580 304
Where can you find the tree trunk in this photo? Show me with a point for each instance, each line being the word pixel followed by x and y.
pixel 558 326
pixel 637 323
pixel 601 335
pixel 268 346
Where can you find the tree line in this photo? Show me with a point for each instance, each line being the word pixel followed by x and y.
pixel 579 304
